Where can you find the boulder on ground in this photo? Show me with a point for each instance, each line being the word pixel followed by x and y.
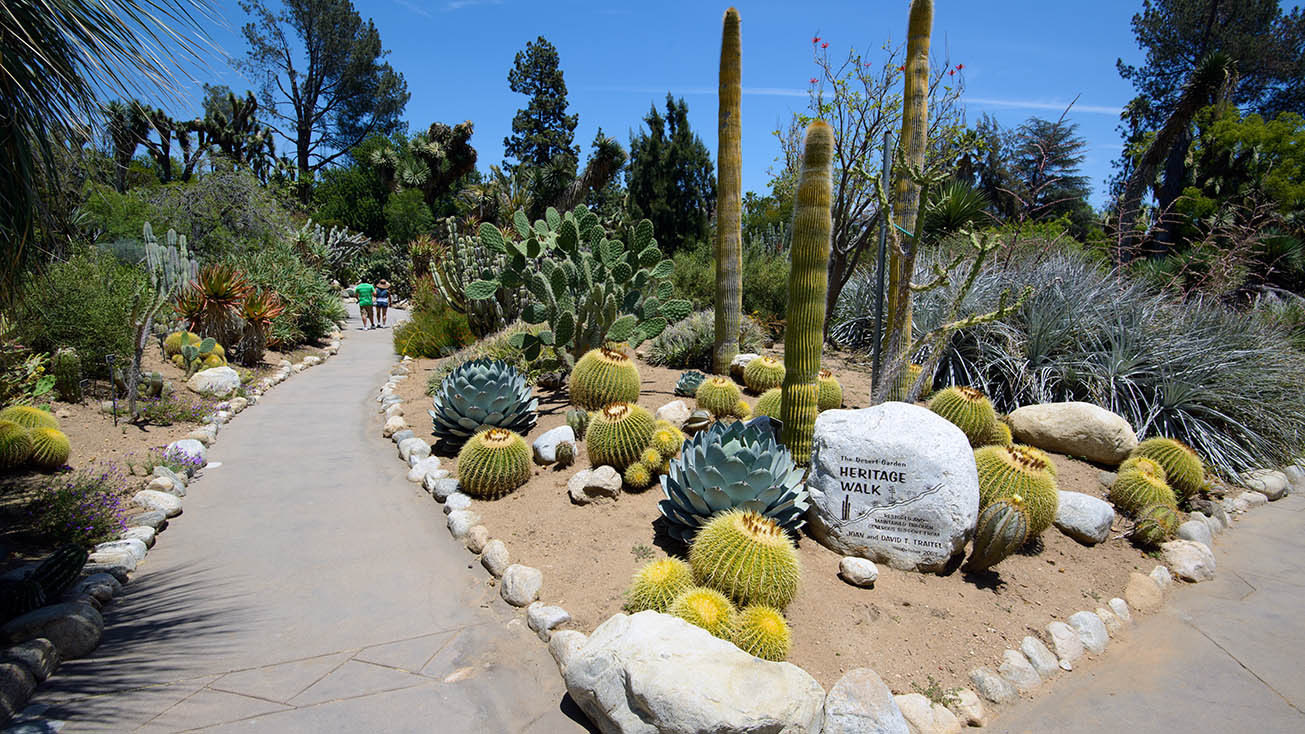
pixel 860 702
pixel 1084 518
pixel 544 448
pixel 651 673
pixel 927 717
pixel 1077 429
pixel 74 628
pixel 1268 482
pixel 676 411
pixel 216 382
pixel 1189 560
pixel 597 485
pixel 1143 593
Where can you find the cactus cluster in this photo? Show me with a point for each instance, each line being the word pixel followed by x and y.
pixel 590 289
pixel 50 448
pixel 969 410
pixel 1183 468
pixel 705 608
pixel 769 403
pixel 194 354
pixel 763 373
pixel 762 631
pixel 67 368
pixel 1141 483
pixel 493 463
pixel 28 416
pixel 467 259
pixel 618 434
pixel 1002 529
pixel 748 557
pixel 719 396
pixel 831 393
pixel 1006 471
pixel 658 584
pixel 30 437
pixel 482 393
pixel 687 385
pixel 604 376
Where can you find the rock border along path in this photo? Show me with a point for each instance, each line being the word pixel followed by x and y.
pixel 311 588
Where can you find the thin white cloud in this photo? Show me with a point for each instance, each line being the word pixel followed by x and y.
pixel 1026 104
pixel 753 91
pixel 460 4
pixel 414 7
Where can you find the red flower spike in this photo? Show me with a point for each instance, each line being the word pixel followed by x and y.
pixel 814 80
pixel 815 39
pixel 825 44
pixel 951 73
pixel 901 68
pixel 960 66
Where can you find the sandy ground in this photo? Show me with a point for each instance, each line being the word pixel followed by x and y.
pixel 910 627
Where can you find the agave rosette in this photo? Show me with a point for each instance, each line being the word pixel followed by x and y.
pixel 728 466
pixel 482 393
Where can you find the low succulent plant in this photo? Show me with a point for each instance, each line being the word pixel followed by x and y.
pixel 718 396
pixel 1000 436
pixel 29 417
pixel 565 454
pixel 15 445
pixel 1005 471
pixel 969 410
pixel 762 631
pixel 831 393
pixel 50 448
pixel 492 463
pixel 733 466
pixel 705 608
pixel 618 434
pixel 763 373
pixel 748 557
pixel 699 420
pixel 604 376
pixel 658 584
pixel 1183 468
pixel 1002 528
pixel 578 419
pixel 480 394
pixel 1156 524
pixel 687 385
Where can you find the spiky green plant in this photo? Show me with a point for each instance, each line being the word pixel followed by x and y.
pixel 1140 487
pixel 762 631
pixel 742 410
pixel 578 419
pixel 732 466
pixel 618 434
pixel 479 394
pixel 604 376
pixel 718 396
pixel 1002 529
pixel 565 454
pixel 807 286
pixel 1183 468
pixel 667 441
pixel 769 403
pixel 492 463
pixel 729 198
pixel 705 608
pixel 905 380
pixel 657 584
pixel 1006 471
pixel 172 344
pixel 50 448
pixel 1000 435
pixel 691 343
pixel 67 369
pixel 28 416
pixel 969 410
pixel 831 393
pixel 748 557
pixel 1144 465
pixel 15 445
pixel 763 373
pixel 699 420
pixel 687 385
pixel 638 476
pixel 1156 524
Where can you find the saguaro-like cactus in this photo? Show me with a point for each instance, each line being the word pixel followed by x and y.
pixel 807 283
pixel 729 201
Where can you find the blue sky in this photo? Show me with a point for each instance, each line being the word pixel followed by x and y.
pixel 1021 58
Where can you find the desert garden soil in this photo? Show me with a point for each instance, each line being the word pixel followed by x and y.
pixel 909 628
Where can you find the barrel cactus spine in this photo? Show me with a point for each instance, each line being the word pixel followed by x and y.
pixel 769 403
pixel 1000 436
pixel 667 441
pixel 492 463
pixel 15 445
pixel 1139 488
pixel 719 396
pixel 831 392
pixel 763 373
pixel 657 584
pixel 565 454
pixel 28 416
pixel 705 608
pixel 618 434
pixel 762 631
pixel 808 284
pixel 1183 468
pixel 969 410
pixel 638 476
pixel 1002 528
pixel 748 557
pixel 50 448
pixel 729 199
pixel 742 410
pixel 1005 471
pixel 604 376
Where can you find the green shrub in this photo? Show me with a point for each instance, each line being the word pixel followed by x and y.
pixel 84 507
pixel 765 279
pixel 433 328
pixel 495 346
pixel 312 305
pixel 84 303
pixel 688 344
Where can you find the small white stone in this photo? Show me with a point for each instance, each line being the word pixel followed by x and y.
pixel 1197 531
pixel 460 523
pixel 1091 630
pixel 414 446
pixel 969 709
pixel 494 557
pixel 992 687
pixel 477 537
pixel 168 504
pixel 1112 623
pixel 521 585
pixel 136 548
pixel 676 411
pixel 1162 578
pixel 858 571
pixel 1189 560
pixel 1040 657
pixel 1120 608
pixel 1017 669
pixel 563 644
pixel 544 619
pixel 1065 642
pixel 926 717
pixel 393 425
pixel 423 467
pixel 143 533
pixel 456 501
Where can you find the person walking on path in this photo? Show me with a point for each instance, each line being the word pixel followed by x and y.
pixel 366 293
pixel 382 302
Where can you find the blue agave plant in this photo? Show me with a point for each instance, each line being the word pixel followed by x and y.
pixel 482 393
pixel 687 385
pixel 733 465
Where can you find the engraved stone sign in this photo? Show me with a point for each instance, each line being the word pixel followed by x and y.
pixel 895 483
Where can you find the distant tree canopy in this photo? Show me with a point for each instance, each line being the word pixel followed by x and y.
pixel 671 179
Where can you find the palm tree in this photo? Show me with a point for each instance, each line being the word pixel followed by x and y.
pixel 56 58
pixel 1208 79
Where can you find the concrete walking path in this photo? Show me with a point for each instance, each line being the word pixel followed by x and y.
pixel 309 587
pixel 1221 656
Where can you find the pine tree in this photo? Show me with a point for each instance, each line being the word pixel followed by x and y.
pixel 543 135
pixel 670 178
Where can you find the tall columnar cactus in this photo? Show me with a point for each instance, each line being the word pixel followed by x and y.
pixel 906 191
pixel 67 369
pixel 170 267
pixel 729 200
pixel 807 284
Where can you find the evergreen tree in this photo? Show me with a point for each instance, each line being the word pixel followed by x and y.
pixel 543 134
pixel 670 178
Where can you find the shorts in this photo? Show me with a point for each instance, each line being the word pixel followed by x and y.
pixel 382 303
pixel 366 310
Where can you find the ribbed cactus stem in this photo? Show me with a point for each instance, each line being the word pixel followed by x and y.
pixel 913 141
pixel 729 201
pixel 807 284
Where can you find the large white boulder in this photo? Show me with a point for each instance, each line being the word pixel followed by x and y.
pixel 1077 429
pixel 217 382
pixel 651 673
pixel 895 484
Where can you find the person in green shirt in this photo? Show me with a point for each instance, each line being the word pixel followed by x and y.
pixel 365 292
